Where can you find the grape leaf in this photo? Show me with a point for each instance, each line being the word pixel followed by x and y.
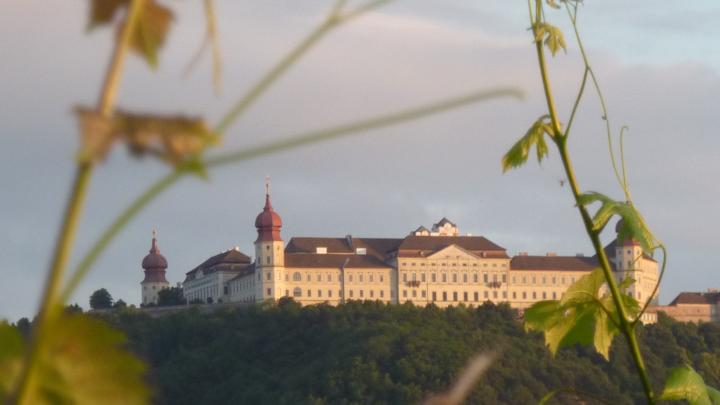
pixel 103 11
pixel 520 151
pixel 554 38
pixel 150 31
pixel 686 384
pixel 633 225
pixel 584 315
pixel 81 362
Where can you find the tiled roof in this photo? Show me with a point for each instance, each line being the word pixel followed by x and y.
pixel 429 244
pixel 565 263
pixel 378 247
pixel 312 260
pixel 696 298
pixel 231 260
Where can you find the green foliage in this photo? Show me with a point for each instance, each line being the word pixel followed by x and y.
pixel 368 352
pixel 150 31
pixel 686 384
pixel 632 226
pixel 582 316
pixel 170 296
pixel 83 363
pixel 553 36
pixel 101 299
pixel 535 136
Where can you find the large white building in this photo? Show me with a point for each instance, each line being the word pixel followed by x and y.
pixel 437 266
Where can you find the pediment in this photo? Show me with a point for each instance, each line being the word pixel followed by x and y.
pixel 452 252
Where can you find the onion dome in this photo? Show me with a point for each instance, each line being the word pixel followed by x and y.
pixel 154 263
pixel 268 222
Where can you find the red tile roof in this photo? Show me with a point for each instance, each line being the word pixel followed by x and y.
pixel 417 246
pixel 697 298
pixel 312 260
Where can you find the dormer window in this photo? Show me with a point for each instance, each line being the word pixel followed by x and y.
pixel 321 250
pixel 361 251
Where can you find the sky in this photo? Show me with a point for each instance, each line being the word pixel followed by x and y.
pixel 657 62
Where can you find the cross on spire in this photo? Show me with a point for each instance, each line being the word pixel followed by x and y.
pixel 267 185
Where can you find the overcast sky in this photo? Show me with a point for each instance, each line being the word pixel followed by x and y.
pixel 658 63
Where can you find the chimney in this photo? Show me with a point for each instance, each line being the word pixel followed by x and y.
pixel 579 254
pixel 551 254
pixel 348 240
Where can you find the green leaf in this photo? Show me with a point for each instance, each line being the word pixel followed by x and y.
pixel 519 153
pixel 150 31
pixel 554 38
pixel 627 282
pixel 686 384
pixel 633 225
pixel 553 4
pixel 713 394
pixel 582 316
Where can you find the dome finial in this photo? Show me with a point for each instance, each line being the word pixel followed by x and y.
pixel 154 248
pixel 267 185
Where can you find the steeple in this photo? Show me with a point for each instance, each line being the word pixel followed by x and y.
pixel 268 222
pixel 154 263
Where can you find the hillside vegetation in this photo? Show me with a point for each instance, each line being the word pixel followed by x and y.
pixel 368 352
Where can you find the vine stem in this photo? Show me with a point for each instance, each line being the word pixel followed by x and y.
pixel 49 308
pixel 560 139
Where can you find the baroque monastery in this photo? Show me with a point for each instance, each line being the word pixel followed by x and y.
pixel 436 265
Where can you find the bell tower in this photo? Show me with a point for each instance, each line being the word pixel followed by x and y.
pixel 269 252
pixel 154 265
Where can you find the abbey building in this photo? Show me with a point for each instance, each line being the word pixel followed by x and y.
pixel 437 265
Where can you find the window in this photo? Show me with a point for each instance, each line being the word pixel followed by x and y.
pixel 372 294
pixel 422 294
pixel 361 251
pixel 404 277
pixel 267 247
pixel 329 293
pixel 494 294
pixel 514 295
pixel 514 280
pixel 432 277
pixel 524 280
pixel 454 278
pixel 544 295
pixel 504 278
pixel 370 277
pixel 350 278
pixel 267 259
pixel 268 275
pixel 309 293
pixel 475 277
pixel 269 291
pixel 444 296
pixel 444 278
pixel 319 277
pixel 554 295
pixel 534 295
pixel 533 280
pixel 554 280
pixel 321 250
pixel 464 277
pixel 351 293
pixel 485 294
pixel 475 296
pixel 455 296
pixel 485 277
pixel 382 278
pixel 382 293
pixel 422 277
pixel 504 294
pixel 414 293
pixel 562 280
pixel 465 296
pixel 309 277
pixel 495 278
pixel 329 277
pixel 434 296
pixel 524 295
pixel 319 293
pixel 287 293
pixel 404 293
pixel 362 293
pixel 414 276
pixel 297 292
pixel 361 277
pixel 287 277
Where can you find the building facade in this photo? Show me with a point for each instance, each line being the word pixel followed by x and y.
pixel 438 266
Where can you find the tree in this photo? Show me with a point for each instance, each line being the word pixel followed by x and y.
pixel 101 299
pixel 120 304
pixel 170 296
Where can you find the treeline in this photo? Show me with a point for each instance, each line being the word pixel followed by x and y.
pixel 368 352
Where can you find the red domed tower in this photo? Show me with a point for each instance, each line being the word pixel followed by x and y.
pixel 269 251
pixel 154 265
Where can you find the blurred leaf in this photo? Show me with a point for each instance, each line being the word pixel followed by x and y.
pixel 582 316
pixel 212 40
pixel 81 362
pixel 553 4
pixel 150 31
pixel 554 38
pixel 519 153
pixel 103 11
pixel 196 166
pixel 11 351
pixel 632 226
pixel 174 139
pixel 627 282
pixel 686 384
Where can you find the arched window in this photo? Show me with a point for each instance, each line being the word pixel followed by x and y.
pixel 297 292
pixel 297 276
